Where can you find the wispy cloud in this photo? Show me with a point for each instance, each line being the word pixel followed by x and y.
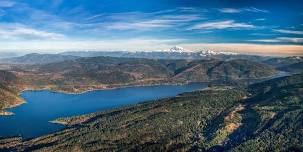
pixel 82 22
pixel 191 9
pixel 289 31
pixel 230 10
pixel 6 3
pixel 172 18
pixel 56 3
pixel 266 40
pixel 256 10
pixel 17 31
pixel 164 21
pixel 144 25
pixel 227 24
pixel 25 14
pixel 260 19
pixel 77 27
pixel 290 39
pixel 2 12
pixel 264 34
pixel 239 10
pixel 280 40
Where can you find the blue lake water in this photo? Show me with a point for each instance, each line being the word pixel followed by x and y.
pixel 32 119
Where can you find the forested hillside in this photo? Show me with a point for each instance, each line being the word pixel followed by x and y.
pixel 293 68
pixel 283 61
pixel 9 96
pixel 103 72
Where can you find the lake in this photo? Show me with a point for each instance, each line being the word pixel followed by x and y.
pixel 32 119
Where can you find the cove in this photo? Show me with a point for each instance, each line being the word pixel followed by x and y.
pixel 32 119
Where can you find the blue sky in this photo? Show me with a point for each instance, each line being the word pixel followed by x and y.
pixel 251 26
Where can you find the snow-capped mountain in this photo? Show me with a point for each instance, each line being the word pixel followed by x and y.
pixel 175 52
pixel 178 49
pixel 175 49
pixel 210 52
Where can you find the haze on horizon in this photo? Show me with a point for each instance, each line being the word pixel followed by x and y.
pixel 274 27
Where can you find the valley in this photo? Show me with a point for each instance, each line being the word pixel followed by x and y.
pixel 95 73
pixel 267 114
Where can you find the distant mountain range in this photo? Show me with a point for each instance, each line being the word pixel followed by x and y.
pixel 202 53
pixel 173 53
pixel 35 58
pixel 290 64
pixel 9 54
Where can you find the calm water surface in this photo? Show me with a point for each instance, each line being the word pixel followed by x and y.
pixel 32 119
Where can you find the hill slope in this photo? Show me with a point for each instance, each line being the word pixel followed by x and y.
pixel 9 96
pixel 100 72
pixel 293 68
pixel 280 62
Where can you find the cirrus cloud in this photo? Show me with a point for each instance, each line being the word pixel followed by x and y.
pixel 280 40
pixel 227 24
pixel 289 31
pixel 239 10
pixel 17 31
pixel 6 3
pixel 229 10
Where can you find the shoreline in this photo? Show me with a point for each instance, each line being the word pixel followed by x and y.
pixel 110 88
pixel 139 85
pixel 117 86
pixel 64 123
pixel 67 122
pixel 4 112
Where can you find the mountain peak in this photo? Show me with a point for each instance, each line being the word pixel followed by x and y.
pixel 210 52
pixel 178 49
